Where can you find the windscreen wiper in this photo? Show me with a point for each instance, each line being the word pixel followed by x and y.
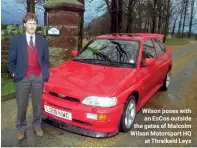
pixel 102 56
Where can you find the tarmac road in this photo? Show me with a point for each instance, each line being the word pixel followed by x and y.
pixel 182 94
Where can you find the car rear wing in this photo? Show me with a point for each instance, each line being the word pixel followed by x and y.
pixel 155 35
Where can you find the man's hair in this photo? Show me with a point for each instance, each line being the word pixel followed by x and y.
pixel 30 16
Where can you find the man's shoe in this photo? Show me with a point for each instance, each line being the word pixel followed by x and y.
pixel 39 132
pixel 20 136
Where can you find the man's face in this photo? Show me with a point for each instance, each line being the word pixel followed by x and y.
pixel 30 26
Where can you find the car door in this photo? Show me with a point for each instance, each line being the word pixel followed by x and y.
pixel 162 59
pixel 148 74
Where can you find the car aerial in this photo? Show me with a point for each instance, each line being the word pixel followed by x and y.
pixel 98 92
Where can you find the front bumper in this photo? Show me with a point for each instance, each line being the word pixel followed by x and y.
pixel 76 129
pixel 80 123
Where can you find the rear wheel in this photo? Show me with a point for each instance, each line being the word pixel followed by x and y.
pixel 166 82
pixel 128 115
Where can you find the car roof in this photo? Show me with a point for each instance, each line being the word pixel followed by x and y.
pixel 131 36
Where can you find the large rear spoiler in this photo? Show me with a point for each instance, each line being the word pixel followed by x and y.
pixel 155 35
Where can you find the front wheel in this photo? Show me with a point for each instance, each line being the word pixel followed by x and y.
pixel 128 115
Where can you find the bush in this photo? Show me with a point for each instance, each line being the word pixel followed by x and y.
pixel 4 34
pixel 21 29
pixel 12 28
pixel 57 56
pixel 3 27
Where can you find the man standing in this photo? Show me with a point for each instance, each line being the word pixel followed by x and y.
pixel 28 62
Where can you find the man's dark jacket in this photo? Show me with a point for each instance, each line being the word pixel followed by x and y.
pixel 17 56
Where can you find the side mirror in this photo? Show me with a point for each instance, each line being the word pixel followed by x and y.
pixel 74 53
pixel 149 62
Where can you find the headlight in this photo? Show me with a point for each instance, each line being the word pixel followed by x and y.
pixel 100 101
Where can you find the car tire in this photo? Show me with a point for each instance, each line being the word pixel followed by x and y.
pixel 166 82
pixel 128 114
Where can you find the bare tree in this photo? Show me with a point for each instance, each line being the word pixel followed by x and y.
pixel 191 17
pixel 130 15
pixel 176 10
pixel 174 25
pixel 181 17
pixel 154 16
pixel 80 29
pixel 160 15
pixel 149 16
pixel 30 5
pixel 120 7
pixel 114 15
pixel 167 20
pixel 95 27
pixel 185 12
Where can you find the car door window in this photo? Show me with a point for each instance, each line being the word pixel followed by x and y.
pixel 160 48
pixel 148 50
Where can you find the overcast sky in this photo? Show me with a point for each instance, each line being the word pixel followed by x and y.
pixel 13 12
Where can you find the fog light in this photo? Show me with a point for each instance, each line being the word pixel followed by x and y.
pixel 99 117
pixel 102 117
pixel 91 116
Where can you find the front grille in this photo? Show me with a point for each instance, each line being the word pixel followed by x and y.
pixel 65 98
pixel 57 106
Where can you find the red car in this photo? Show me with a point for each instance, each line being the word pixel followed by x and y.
pixel 98 92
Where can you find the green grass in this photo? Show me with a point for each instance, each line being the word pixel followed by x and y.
pixel 176 41
pixel 7 85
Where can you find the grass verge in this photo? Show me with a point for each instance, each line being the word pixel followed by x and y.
pixel 177 41
pixel 7 85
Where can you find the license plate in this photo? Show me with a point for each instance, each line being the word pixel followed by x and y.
pixel 58 113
